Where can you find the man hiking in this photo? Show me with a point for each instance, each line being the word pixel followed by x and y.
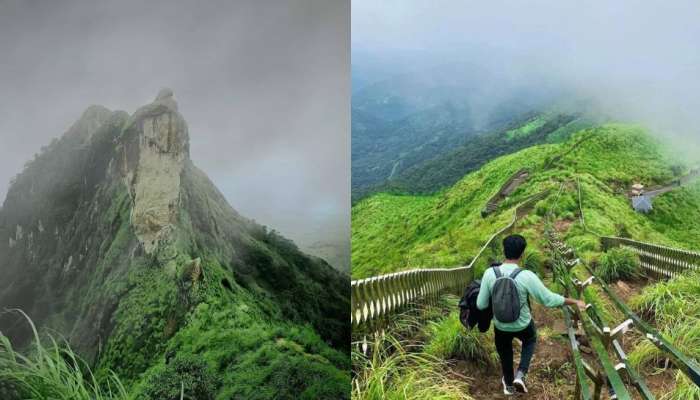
pixel 508 288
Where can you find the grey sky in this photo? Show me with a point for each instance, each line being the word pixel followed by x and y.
pixel 263 85
pixel 639 59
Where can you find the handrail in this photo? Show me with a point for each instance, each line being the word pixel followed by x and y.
pixel 378 296
pixel 609 369
pixel 589 324
pixel 663 260
pixel 583 391
pixel 690 368
pixel 654 257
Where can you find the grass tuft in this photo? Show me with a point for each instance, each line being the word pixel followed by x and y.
pixel 393 372
pixel 448 339
pixel 665 301
pixel 52 371
pixel 619 264
pixel 685 389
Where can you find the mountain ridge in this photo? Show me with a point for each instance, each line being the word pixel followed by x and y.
pixel 116 240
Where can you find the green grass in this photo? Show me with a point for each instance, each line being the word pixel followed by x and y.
pixel 684 390
pixel 394 372
pixel 676 214
pixel 619 264
pixel 395 232
pixel 664 302
pixel 564 133
pixel 50 370
pixel 529 127
pixel 254 358
pixel 448 339
pixel 413 359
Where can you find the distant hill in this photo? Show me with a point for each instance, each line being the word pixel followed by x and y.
pixel 408 124
pixel 445 169
pixel 382 149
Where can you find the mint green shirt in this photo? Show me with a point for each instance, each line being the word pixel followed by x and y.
pixel 527 283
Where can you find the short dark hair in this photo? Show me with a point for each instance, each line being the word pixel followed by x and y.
pixel 514 246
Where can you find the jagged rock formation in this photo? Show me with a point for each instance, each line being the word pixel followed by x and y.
pixel 154 149
pixel 113 238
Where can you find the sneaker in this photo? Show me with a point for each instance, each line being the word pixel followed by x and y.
pixel 507 390
pixel 519 382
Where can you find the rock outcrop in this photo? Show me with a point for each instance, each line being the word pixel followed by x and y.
pixel 155 147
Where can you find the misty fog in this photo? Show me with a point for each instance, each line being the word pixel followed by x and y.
pixel 264 87
pixel 632 60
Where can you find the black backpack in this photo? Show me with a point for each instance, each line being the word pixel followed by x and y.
pixel 469 313
pixel 504 296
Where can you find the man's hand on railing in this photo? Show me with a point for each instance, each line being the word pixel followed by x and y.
pixel 575 302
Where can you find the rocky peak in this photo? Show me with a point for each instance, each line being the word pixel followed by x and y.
pixel 155 147
pixel 165 97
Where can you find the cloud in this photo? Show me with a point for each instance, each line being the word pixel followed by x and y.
pixel 638 60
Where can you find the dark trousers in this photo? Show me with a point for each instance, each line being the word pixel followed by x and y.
pixel 504 347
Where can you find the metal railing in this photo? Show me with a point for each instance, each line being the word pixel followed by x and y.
pixel 666 261
pixel 375 298
pixel 661 254
pixel 593 326
pixel 662 260
pixel 596 331
pixel 684 363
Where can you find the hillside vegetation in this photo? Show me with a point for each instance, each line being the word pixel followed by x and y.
pixel 393 232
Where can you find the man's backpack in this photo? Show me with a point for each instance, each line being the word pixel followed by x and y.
pixel 467 305
pixel 505 299
pixel 469 313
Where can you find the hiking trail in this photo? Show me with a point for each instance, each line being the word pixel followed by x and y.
pixel 577 352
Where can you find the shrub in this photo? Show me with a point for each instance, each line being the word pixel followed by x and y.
pixel 448 339
pixel 622 230
pixel 187 375
pixel 584 243
pixel 618 263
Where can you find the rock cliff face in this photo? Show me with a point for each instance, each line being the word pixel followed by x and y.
pixel 113 238
pixel 154 151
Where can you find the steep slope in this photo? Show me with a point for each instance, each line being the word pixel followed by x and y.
pixel 113 238
pixel 395 232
